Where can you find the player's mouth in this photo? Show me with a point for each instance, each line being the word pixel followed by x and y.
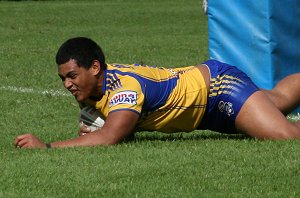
pixel 74 92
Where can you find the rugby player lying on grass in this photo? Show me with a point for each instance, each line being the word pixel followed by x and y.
pixel 131 98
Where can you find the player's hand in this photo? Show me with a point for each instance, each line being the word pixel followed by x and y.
pixel 28 141
pixel 84 129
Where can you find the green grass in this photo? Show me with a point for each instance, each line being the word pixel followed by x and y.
pixel 163 33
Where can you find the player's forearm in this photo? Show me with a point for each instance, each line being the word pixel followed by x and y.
pixel 118 126
pixel 91 139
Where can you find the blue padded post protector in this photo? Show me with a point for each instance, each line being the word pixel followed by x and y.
pixel 260 37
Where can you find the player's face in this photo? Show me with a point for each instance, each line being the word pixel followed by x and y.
pixel 81 82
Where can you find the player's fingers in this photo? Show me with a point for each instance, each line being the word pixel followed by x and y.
pixel 16 141
pixel 22 143
pixel 20 138
pixel 80 133
pixel 81 124
pixel 84 132
pixel 84 128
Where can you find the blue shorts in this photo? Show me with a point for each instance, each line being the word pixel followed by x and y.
pixel 229 89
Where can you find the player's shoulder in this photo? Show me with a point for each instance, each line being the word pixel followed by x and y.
pixel 119 79
pixel 119 66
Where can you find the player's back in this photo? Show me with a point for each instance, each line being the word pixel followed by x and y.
pixel 168 100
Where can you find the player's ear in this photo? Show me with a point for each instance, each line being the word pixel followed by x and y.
pixel 96 67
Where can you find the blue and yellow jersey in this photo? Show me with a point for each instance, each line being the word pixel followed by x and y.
pixel 167 100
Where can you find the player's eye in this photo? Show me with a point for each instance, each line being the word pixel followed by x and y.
pixel 72 75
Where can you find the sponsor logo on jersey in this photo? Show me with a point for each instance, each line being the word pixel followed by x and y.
pixel 226 107
pixel 123 97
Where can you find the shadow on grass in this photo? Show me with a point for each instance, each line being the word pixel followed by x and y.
pixel 195 135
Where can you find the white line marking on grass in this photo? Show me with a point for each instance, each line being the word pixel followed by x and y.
pixel 34 91
pixel 292 117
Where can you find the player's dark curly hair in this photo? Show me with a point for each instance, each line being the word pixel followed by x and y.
pixel 83 50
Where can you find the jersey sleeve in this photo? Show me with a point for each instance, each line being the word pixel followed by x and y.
pixel 128 96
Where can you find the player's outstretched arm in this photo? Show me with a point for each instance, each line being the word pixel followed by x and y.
pixel 118 126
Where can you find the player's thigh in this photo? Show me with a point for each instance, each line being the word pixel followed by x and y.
pixel 260 118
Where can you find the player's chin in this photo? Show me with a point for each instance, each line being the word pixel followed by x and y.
pixel 80 98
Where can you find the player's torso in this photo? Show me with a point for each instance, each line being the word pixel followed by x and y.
pixel 167 100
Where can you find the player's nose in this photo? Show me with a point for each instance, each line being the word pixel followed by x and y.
pixel 68 84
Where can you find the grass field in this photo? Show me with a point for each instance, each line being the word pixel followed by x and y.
pixel 165 33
